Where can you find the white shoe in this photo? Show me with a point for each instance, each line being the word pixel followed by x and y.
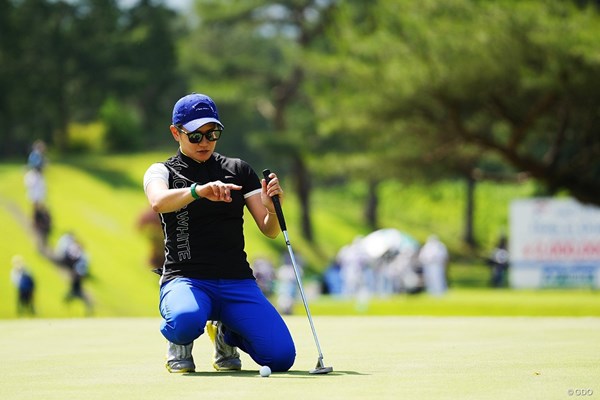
pixel 179 358
pixel 226 357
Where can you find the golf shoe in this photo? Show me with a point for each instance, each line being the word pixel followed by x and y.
pixel 179 358
pixel 226 357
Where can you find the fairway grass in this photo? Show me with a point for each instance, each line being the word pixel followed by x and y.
pixel 379 357
pixel 467 302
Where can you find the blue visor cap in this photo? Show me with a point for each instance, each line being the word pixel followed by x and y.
pixel 195 110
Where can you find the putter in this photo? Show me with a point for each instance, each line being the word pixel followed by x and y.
pixel 320 367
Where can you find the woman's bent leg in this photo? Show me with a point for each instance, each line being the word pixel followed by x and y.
pixel 255 326
pixel 184 306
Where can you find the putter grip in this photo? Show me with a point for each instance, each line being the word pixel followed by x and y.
pixel 276 203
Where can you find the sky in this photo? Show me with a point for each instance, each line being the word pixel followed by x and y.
pixel 175 4
pixel 179 4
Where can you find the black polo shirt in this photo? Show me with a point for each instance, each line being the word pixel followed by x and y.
pixel 205 239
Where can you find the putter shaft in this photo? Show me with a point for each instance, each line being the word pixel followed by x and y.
pixel 320 368
pixel 304 301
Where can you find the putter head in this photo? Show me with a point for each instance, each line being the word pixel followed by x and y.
pixel 320 369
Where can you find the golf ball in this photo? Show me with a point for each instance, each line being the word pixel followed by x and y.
pixel 265 371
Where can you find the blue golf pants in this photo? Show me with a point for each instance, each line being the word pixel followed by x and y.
pixel 251 322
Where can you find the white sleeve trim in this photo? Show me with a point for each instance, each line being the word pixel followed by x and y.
pixel 252 193
pixel 156 171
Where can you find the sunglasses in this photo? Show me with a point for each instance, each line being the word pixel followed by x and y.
pixel 196 136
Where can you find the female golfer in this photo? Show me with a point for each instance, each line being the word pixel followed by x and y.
pixel 200 196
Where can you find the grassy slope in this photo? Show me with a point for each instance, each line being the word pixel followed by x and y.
pixel 100 199
pixel 101 206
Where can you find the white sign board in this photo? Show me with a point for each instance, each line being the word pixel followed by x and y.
pixel 554 243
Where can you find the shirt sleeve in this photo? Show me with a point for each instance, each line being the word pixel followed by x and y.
pixel 251 185
pixel 156 171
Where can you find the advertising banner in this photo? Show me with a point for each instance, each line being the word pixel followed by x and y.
pixel 554 243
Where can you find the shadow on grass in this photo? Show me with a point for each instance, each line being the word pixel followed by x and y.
pixel 275 375
pixel 112 176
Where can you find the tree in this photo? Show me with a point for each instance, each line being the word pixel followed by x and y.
pixel 263 67
pixel 8 72
pixel 61 61
pixel 145 68
pixel 466 84
pixel 39 64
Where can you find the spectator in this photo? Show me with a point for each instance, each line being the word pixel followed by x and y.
pixel 71 255
pixel 286 289
pixel 37 157
pixel 499 262
pixel 42 225
pixel 434 258
pixel 332 279
pixel 264 272
pixel 354 263
pixel 62 246
pixel 150 226
pixel 23 281
pixel 36 186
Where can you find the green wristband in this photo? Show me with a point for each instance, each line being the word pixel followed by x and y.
pixel 193 190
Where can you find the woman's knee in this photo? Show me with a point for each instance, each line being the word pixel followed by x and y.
pixel 183 328
pixel 284 362
pixel 282 356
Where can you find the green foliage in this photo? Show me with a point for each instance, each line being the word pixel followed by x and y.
pixel 62 61
pixel 123 127
pixel 458 84
pixel 86 138
pixel 349 92
pixel 323 90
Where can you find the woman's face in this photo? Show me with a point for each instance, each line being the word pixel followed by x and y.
pixel 200 151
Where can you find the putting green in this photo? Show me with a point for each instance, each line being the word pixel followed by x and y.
pixel 372 357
